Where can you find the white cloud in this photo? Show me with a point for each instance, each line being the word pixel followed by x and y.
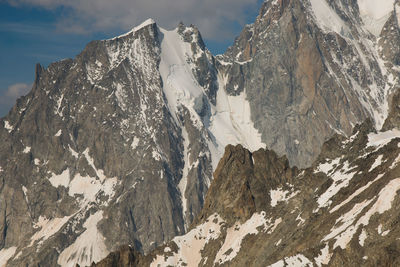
pixel 8 96
pixel 16 90
pixel 216 19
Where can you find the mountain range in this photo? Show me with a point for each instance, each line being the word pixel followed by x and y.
pixel 118 146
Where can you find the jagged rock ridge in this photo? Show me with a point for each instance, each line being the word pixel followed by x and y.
pixel 128 133
pixel 342 211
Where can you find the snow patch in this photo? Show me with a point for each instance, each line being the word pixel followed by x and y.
pixel 324 257
pixel 121 95
pixel 298 260
pixel 300 219
pixel 280 195
pixel 156 155
pixel 59 101
pixel 363 236
pixel 384 202
pixel 381 139
pixel 25 190
pixel 356 193
pixel 88 247
pixel 73 152
pixel 191 244
pixel 58 133
pixel 27 150
pixel 375 14
pixel 6 254
pixel 381 232
pixel 183 182
pixel 8 126
pixel 395 162
pixel 48 228
pixel 135 143
pixel 341 178
pixel 344 233
pixel 328 166
pixel 327 18
pixel 61 179
pixel 377 162
pixel 235 236
pixel 90 188
pixel 99 172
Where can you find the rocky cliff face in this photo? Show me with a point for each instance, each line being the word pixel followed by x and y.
pixel 118 145
pixel 342 211
pixel 314 68
pixel 103 146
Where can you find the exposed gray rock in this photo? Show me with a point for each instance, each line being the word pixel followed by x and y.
pixel 92 157
pixel 118 145
pixel 311 69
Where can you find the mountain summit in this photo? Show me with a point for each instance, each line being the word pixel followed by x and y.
pixel 116 146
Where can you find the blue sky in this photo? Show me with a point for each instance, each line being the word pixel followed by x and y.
pixel 44 31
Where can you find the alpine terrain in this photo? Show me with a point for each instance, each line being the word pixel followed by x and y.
pixel 118 146
pixel 341 211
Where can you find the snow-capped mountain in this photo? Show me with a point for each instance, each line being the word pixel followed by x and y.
pixel 115 147
pixel 118 146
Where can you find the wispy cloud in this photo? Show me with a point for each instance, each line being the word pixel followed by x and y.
pixel 10 95
pixel 16 90
pixel 215 18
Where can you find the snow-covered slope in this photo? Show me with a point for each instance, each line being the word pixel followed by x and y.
pixel 226 122
pixel 375 14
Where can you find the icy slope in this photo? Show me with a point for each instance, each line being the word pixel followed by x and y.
pixel 229 120
pixel 219 123
pixel 375 13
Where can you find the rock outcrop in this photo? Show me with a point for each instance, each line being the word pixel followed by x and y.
pixel 342 211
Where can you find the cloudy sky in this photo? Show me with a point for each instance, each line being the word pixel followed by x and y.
pixel 44 31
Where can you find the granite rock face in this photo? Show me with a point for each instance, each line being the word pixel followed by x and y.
pixel 311 69
pixel 97 156
pixel 118 145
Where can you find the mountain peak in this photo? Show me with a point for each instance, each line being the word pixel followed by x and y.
pixel 144 24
